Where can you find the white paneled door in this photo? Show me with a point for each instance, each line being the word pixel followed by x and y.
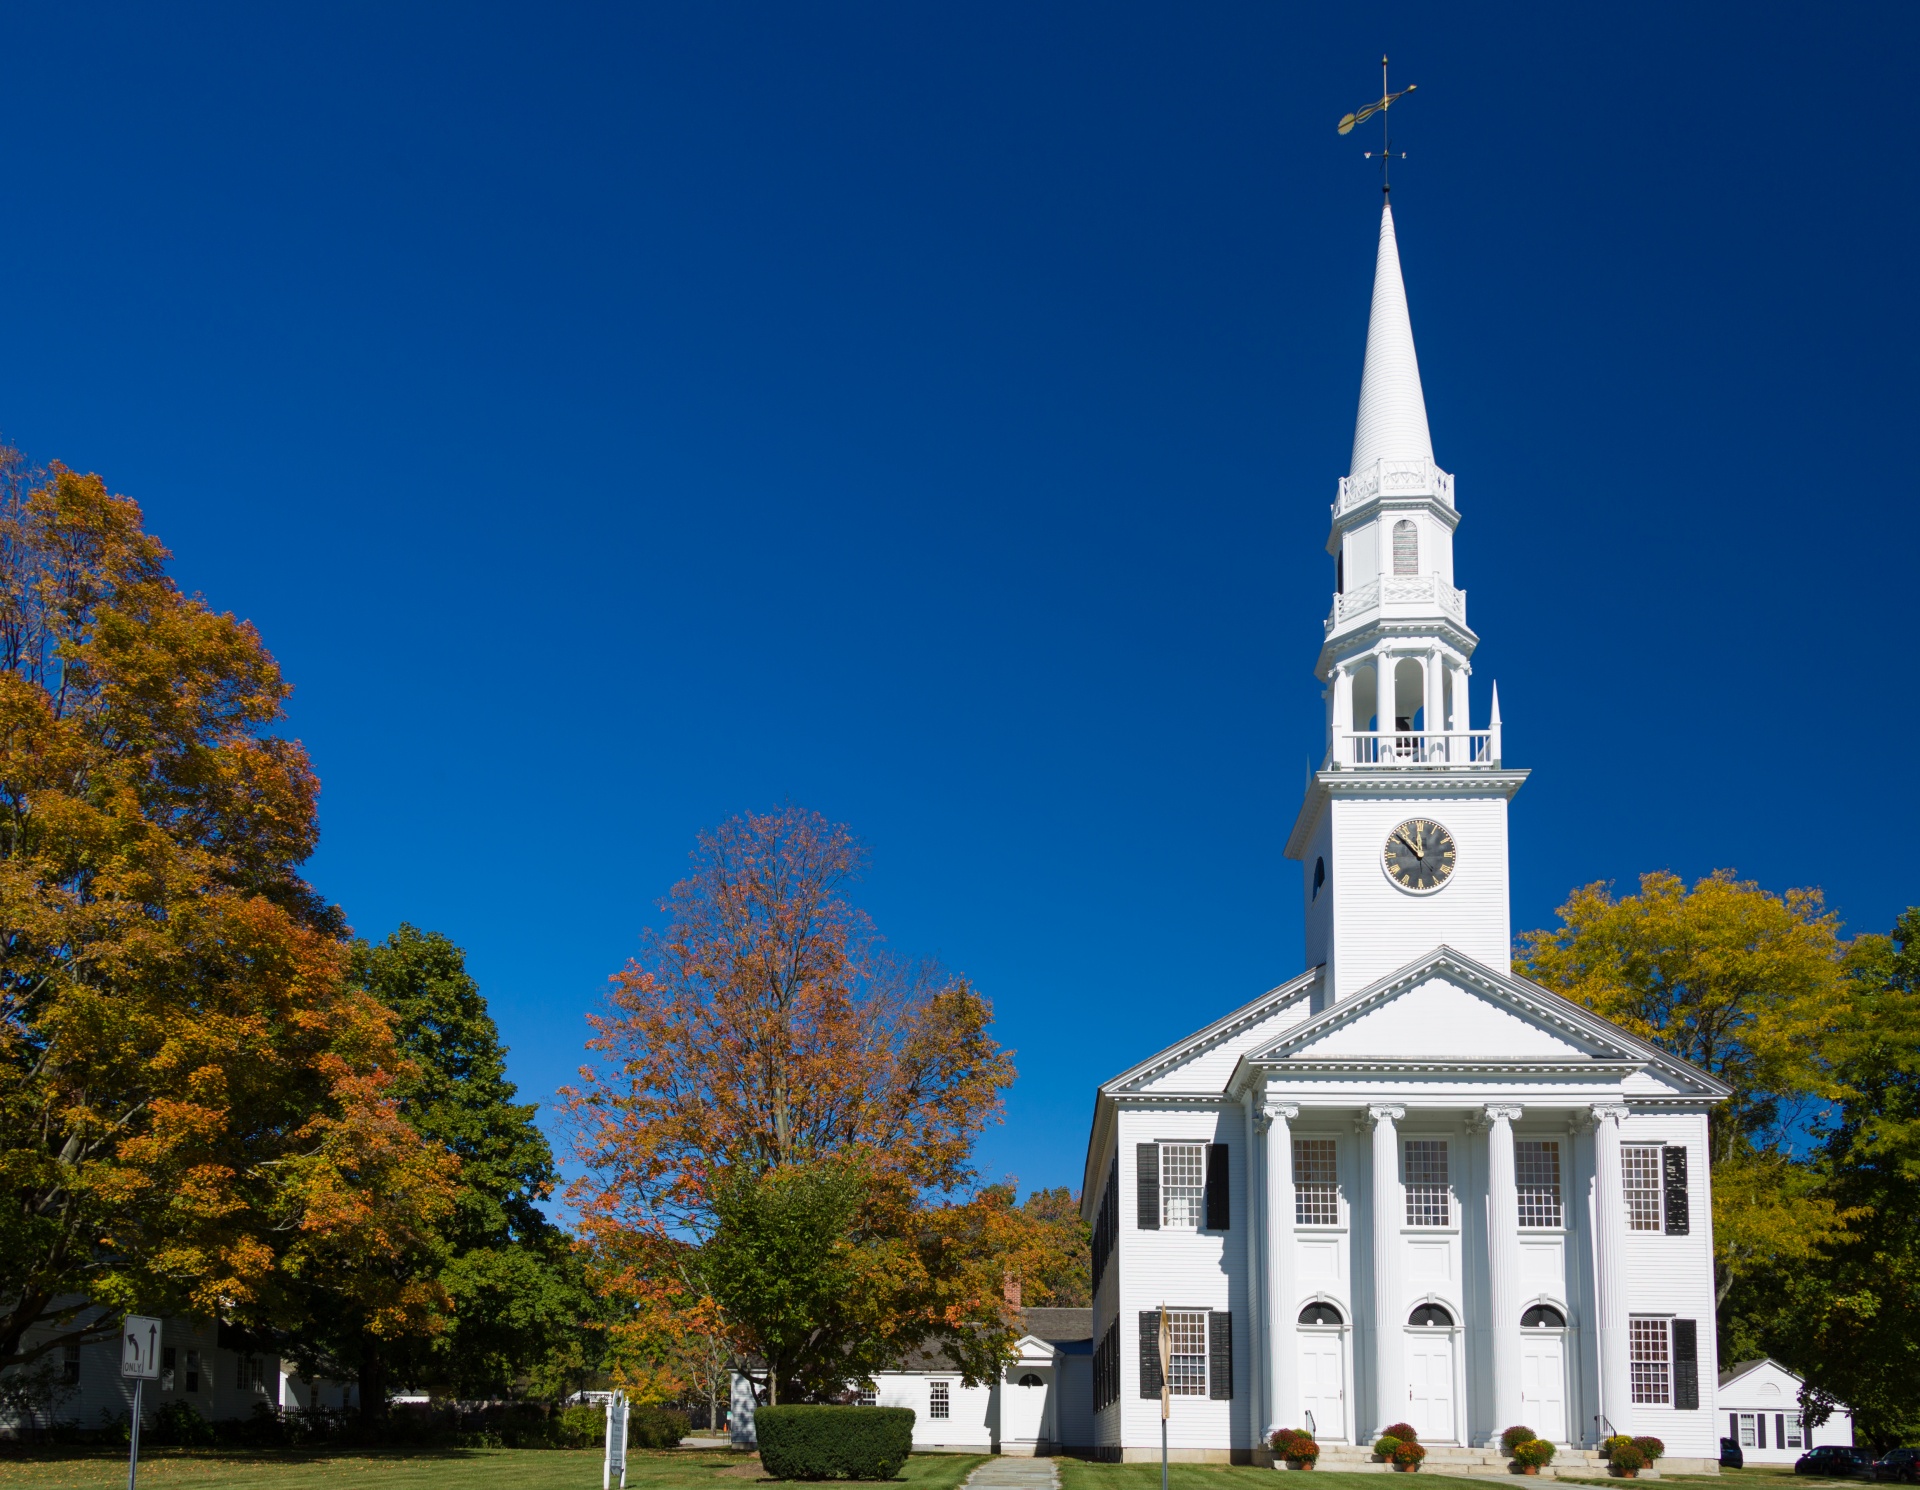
pixel 1323 1385
pixel 1543 1385
pixel 1430 1386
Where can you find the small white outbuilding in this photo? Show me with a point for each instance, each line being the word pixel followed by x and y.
pixel 1759 1404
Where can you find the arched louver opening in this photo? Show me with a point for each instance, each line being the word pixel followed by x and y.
pixel 1543 1317
pixel 1319 1312
pixel 1406 548
pixel 1431 1314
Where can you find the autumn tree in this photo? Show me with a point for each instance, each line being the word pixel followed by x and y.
pixel 764 1030
pixel 501 1288
pixel 1742 983
pixel 1061 1276
pixel 192 1097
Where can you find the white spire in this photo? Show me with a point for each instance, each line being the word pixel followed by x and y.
pixel 1393 413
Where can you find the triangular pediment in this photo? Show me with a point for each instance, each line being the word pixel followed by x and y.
pixel 1204 1062
pixel 1446 1009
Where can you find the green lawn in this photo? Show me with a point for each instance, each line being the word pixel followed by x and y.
pixel 453 1469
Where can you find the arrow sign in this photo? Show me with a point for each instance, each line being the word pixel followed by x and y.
pixel 140 1348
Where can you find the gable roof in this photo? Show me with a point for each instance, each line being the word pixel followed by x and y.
pixel 1747 1368
pixel 1222 1029
pixel 1533 1029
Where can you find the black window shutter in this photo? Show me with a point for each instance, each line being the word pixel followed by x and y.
pixel 1780 1430
pixel 1673 1165
pixel 1220 1356
pixel 1733 1426
pixel 1150 1353
pixel 1759 1430
pixel 1147 1158
pixel 1686 1363
pixel 1219 1205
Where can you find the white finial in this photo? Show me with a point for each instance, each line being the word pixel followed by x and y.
pixel 1393 410
pixel 1495 720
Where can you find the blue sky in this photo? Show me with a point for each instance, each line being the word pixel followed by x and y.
pixel 618 417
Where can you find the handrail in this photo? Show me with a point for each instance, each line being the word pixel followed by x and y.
pixel 1475 747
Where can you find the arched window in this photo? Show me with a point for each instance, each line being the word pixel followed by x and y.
pixel 1406 548
pixel 1030 1380
pixel 1543 1317
pixel 1431 1314
pixel 1319 1312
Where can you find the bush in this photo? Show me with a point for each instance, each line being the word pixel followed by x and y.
pixel 1513 1438
pixel 1650 1448
pixel 655 1428
pixel 1402 1431
pixel 1407 1454
pixel 834 1443
pixel 1535 1453
pixel 1294 1445
pixel 1385 1444
pixel 1626 1458
pixel 582 1426
pixel 178 1423
pixel 1618 1441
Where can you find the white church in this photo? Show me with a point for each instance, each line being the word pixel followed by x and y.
pixel 1406 1185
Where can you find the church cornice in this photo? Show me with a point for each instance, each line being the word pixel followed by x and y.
pixel 1427 782
pixel 1508 1070
pixel 1368 635
pixel 1345 519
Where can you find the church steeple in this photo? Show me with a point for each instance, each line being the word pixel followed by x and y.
pixel 1393 412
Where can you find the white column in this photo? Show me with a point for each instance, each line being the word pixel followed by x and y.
pixel 1283 1354
pixel 1259 1326
pixel 1389 1371
pixel 1503 1265
pixel 1610 1268
pixel 1434 702
pixel 1342 714
pixel 1384 698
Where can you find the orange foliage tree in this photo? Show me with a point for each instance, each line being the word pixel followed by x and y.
pixel 766 1030
pixel 192 1100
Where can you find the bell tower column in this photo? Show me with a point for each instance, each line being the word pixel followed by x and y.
pixel 1503 1247
pixel 1389 1372
pixel 1283 1354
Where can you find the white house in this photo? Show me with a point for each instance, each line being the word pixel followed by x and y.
pixel 1760 1410
pixel 1040 1403
pixel 1405 1184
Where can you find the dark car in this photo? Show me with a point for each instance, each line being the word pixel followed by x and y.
pixel 1898 1464
pixel 1835 1461
pixel 1730 1455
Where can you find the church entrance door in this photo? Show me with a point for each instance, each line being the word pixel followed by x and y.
pixel 1323 1383
pixel 1430 1385
pixel 1543 1384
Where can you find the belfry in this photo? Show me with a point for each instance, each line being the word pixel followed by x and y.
pixel 1404 1186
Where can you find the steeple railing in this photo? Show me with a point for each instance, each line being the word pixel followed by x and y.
pixel 1418 748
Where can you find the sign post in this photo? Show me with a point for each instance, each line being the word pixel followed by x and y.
pixel 139 1361
pixel 1166 1389
pixel 613 1470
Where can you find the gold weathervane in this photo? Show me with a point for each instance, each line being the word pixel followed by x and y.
pixel 1380 105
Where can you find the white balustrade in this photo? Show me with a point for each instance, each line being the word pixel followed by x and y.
pixel 1428 591
pixel 1476 747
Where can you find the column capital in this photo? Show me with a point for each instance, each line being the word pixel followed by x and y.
pixel 1284 1111
pixel 1384 1112
pixel 1604 1112
pixel 1497 1112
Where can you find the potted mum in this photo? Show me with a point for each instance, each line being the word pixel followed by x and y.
pixel 1627 1461
pixel 1296 1447
pixel 1514 1437
pixel 1533 1455
pixel 1400 1446
pixel 1650 1448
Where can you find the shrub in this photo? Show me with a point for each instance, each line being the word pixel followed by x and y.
pixel 1294 1445
pixel 1533 1452
pixel 655 1428
pixel 834 1443
pixel 179 1423
pixel 1407 1454
pixel 1651 1448
pixel 1513 1438
pixel 582 1426
pixel 1618 1441
pixel 1402 1431
pixel 1385 1444
pixel 1626 1458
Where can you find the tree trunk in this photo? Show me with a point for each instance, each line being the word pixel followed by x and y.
pixel 373 1384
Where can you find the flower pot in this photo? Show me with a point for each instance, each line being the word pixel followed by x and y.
pixel 1529 1469
pixel 1406 1468
pixel 1300 1464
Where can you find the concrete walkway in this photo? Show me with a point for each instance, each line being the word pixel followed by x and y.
pixel 1003 1473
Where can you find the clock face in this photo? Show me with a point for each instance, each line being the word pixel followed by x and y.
pixel 1419 855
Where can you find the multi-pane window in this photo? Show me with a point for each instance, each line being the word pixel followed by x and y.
pixel 1648 1362
pixel 1790 1434
pixel 1188 1358
pixel 1406 548
pixel 1426 1181
pixel 1640 1180
pixel 1536 1173
pixel 868 1397
pixel 1316 1194
pixel 1747 1438
pixel 70 1365
pixel 939 1399
pixel 1183 1183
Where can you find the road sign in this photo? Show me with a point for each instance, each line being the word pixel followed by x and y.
pixel 140 1348
pixel 613 1472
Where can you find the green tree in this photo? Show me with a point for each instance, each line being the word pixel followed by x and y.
pixel 1744 984
pixel 509 1298
pixel 1062 1277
